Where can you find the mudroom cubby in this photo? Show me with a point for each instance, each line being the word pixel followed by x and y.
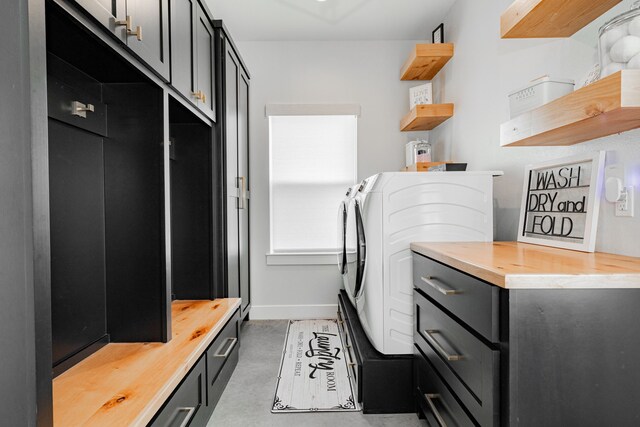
pixel 192 186
pixel 106 181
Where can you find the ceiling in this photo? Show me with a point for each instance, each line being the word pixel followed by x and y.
pixel 304 20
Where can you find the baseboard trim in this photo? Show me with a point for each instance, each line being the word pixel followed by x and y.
pixel 276 312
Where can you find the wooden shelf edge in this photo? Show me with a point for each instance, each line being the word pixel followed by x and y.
pixel 550 18
pixel 426 117
pixel 606 107
pixel 426 60
pixel 422 166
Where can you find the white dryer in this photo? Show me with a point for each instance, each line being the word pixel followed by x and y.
pixel 386 214
pixel 348 243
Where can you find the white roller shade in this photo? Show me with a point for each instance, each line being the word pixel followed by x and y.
pixel 312 164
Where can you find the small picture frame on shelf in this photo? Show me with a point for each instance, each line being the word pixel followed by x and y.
pixel 419 95
pixel 437 36
pixel 561 202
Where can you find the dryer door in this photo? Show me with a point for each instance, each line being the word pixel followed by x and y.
pixel 350 268
pixel 361 249
pixel 342 229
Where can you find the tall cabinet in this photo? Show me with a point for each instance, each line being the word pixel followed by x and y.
pixel 114 180
pixel 233 132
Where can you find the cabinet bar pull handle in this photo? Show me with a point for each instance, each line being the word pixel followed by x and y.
pixel 79 109
pixel 200 95
pixel 435 411
pixel 127 24
pixel 451 357
pixel 242 196
pixel 137 33
pixel 232 343
pixel 185 422
pixel 444 291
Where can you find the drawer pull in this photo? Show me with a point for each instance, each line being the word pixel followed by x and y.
pixel 444 291
pixel 199 95
pixel 127 24
pixel 435 411
pixel 232 343
pixel 187 419
pixel 79 109
pixel 451 357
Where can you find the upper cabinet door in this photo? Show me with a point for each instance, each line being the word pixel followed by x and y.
pixel 205 85
pixel 110 13
pixel 183 60
pixel 148 32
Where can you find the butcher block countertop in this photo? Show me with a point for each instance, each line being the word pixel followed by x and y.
pixel 514 265
pixel 125 384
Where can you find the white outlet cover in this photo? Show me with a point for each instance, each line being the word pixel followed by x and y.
pixel 625 208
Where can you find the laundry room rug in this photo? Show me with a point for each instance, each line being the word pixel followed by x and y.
pixel 314 376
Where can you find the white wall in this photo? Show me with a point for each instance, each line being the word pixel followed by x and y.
pixel 484 71
pixel 365 73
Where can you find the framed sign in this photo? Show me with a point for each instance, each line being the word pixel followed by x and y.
pixel 437 36
pixel 560 202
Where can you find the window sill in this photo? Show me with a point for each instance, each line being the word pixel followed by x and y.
pixel 311 258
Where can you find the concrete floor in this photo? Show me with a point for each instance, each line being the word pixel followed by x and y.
pixel 247 400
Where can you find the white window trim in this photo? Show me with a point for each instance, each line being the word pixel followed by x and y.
pixel 312 110
pixel 314 257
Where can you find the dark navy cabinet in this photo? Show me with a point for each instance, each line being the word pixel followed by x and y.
pixel 193 54
pixel 112 188
pixel 233 132
pixel 491 356
pixel 143 25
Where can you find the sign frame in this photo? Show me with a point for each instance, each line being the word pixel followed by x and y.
pixel 594 195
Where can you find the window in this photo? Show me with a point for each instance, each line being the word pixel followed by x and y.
pixel 312 164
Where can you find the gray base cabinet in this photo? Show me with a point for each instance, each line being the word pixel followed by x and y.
pixel 188 402
pixel 194 400
pixel 490 356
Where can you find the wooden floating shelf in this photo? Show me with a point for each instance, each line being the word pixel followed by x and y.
pixel 606 107
pixel 550 18
pixel 422 166
pixel 426 117
pixel 426 60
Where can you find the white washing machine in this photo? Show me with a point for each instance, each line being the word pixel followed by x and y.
pixel 386 214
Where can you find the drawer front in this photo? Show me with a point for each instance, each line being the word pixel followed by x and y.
pixel 474 302
pixel 77 106
pixel 350 353
pixel 434 400
pixel 469 366
pixel 187 402
pixel 217 387
pixel 222 347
